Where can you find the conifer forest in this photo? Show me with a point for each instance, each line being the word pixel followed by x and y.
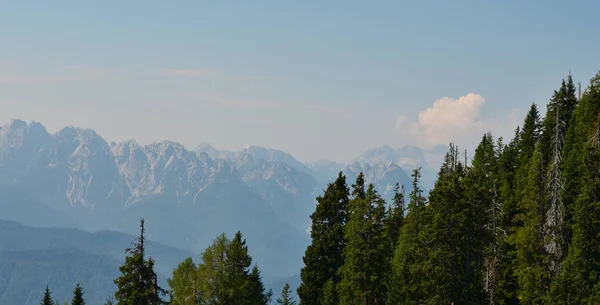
pixel 517 221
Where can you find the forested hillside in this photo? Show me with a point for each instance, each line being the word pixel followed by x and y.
pixel 517 224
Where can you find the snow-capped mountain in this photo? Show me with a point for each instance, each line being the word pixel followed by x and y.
pixel 187 197
pixel 383 175
pixel 408 158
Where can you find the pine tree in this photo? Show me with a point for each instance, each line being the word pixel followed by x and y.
pixel 78 296
pixel 323 257
pixel 286 296
pixel 237 268
pixel 578 281
pixel 47 298
pixel 409 280
pixel 138 283
pixel 457 233
pixel 506 288
pixel 484 179
pixel 532 270
pixel 256 294
pixel 184 284
pixel 366 256
pixel 395 217
pixel 555 126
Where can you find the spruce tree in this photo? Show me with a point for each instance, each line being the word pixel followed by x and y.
pixel 256 294
pixel 410 273
pixel 533 276
pixel 366 256
pixel 395 217
pixel 286 296
pixel 457 233
pixel 47 298
pixel 237 269
pixel 78 296
pixel 577 282
pixel 138 283
pixel 486 201
pixel 323 257
pixel 506 288
pixel 576 137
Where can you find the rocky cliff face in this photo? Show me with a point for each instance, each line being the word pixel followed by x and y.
pixel 188 197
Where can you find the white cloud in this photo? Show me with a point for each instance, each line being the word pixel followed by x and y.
pixel 455 120
pixel 194 72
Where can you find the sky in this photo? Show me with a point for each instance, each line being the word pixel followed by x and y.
pixel 318 79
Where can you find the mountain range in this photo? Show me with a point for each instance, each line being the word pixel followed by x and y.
pixel 31 258
pixel 74 178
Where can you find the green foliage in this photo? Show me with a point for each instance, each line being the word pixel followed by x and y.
pixel 532 273
pixel 366 255
pixel 47 298
pixel 184 285
pixel 323 257
pixel 138 284
pixel 78 296
pixel 490 233
pixel 578 281
pixel 223 277
pixel 286 296
pixel 395 218
pixel 410 272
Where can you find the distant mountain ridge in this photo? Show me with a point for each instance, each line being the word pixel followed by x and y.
pixel 188 197
pixel 32 257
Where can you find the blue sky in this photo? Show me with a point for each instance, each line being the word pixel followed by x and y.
pixel 319 79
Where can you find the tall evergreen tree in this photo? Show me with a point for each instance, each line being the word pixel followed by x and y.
pixel 323 257
pixel 366 256
pixel 558 115
pixel 574 151
pixel 578 281
pixel 410 273
pixel 78 296
pixel 532 259
pixel 255 293
pixel 286 296
pixel 484 179
pixel 395 217
pixel 506 288
pixel 458 232
pixel 237 272
pixel 138 283
pixel 47 298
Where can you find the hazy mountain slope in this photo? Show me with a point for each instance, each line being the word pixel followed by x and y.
pixel 325 170
pixel 31 257
pixel 25 274
pixel 18 237
pixel 18 206
pixel 187 198
pixel 289 192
